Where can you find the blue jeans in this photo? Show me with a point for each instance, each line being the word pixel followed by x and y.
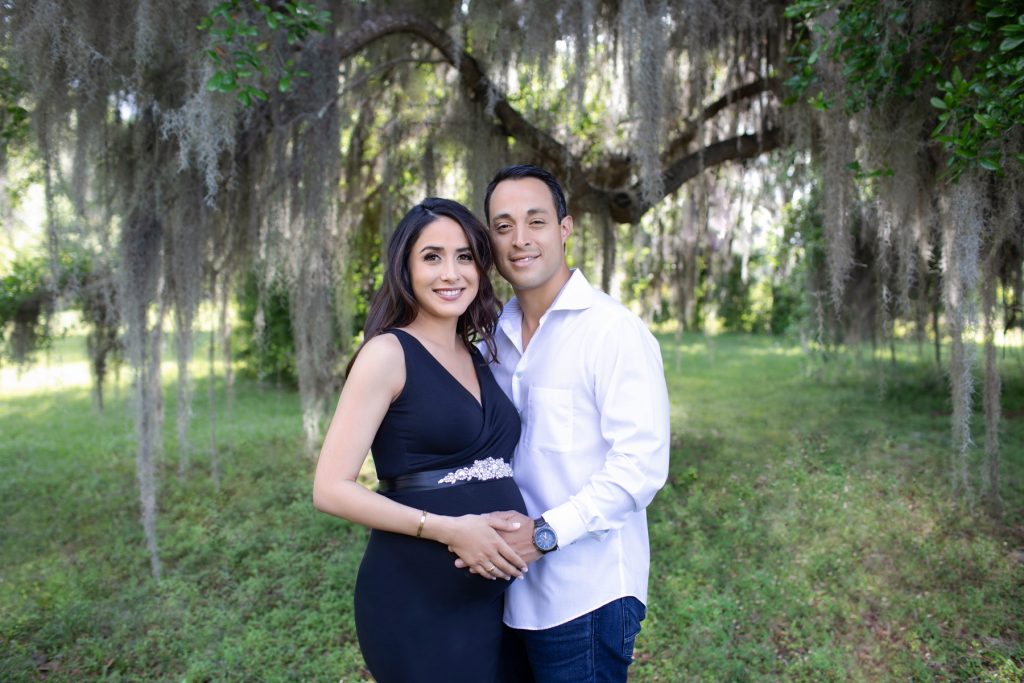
pixel 594 648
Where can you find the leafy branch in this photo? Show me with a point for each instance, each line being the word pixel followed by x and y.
pixel 978 110
pixel 243 36
pixel 883 57
pixel 14 118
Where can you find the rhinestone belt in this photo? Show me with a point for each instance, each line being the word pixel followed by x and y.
pixel 480 470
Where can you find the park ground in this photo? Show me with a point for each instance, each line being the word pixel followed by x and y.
pixel 807 531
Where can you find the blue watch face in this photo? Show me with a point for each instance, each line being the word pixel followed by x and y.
pixel 544 539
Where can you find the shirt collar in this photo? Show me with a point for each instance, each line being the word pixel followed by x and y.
pixel 576 294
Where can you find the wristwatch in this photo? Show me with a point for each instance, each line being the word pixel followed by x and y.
pixel 544 537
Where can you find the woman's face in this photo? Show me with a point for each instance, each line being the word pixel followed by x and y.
pixel 444 274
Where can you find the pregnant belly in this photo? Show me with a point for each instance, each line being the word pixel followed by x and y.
pixel 396 563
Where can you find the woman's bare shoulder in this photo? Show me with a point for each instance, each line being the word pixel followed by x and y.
pixel 384 345
pixel 382 360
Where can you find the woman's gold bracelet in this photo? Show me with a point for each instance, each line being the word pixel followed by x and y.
pixel 423 520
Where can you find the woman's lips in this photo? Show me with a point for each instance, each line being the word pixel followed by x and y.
pixel 450 294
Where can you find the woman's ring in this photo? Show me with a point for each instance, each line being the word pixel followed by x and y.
pixel 491 568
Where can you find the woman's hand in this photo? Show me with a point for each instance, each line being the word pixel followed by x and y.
pixel 475 539
pixel 520 538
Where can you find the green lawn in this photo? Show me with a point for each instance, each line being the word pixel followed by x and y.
pixel 806 533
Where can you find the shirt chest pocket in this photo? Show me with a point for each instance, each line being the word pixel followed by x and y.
pixel 549 419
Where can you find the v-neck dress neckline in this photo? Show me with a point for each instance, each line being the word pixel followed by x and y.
pixel 472 357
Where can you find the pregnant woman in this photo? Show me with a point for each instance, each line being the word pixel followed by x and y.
pixel 442 432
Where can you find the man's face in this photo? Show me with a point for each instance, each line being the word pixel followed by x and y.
pixel 527 237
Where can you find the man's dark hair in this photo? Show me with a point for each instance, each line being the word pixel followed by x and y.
pixel 519 172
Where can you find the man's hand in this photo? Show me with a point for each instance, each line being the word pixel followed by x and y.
pixel 520 540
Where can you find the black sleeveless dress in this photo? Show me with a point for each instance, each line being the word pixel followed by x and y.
pixel 418 618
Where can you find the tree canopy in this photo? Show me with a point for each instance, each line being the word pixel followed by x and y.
pixel 186 145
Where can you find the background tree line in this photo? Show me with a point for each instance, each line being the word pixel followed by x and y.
pixel 257 154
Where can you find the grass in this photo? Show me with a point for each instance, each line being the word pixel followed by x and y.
pixel 806 534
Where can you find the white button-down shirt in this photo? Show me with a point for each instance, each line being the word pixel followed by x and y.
pixel 591 392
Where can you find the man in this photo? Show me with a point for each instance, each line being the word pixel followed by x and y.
pixel 587 378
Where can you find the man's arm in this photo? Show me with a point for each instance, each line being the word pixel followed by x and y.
pixel 632 400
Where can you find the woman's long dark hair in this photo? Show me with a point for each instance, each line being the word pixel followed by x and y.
pixel 395 304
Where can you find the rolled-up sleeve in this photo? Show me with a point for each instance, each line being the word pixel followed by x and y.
pixel 631 398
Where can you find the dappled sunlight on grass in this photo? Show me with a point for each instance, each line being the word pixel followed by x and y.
pixel 66 366
pixel 41 378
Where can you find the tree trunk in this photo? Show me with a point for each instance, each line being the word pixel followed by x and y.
pixel 993 388
pixel 224 293
pixel 607 253
pixel 211 389
pixel 149 427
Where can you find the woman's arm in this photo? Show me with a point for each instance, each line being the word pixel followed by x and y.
pixel 376 378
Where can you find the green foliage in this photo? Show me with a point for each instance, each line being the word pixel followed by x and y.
pixel 15 139
pixel 264 337
pixel 24 280
pixel 25 296
pixel 243 39
pixel 14 120
pixel 802 262
pixel 978 110
pixel 786 301
pixel 885 57
pixel 734 299
pixel 756 305
pixel 875 43
pixel 804 534
pixel 703 292
pixel 364 270
pixel 27 293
